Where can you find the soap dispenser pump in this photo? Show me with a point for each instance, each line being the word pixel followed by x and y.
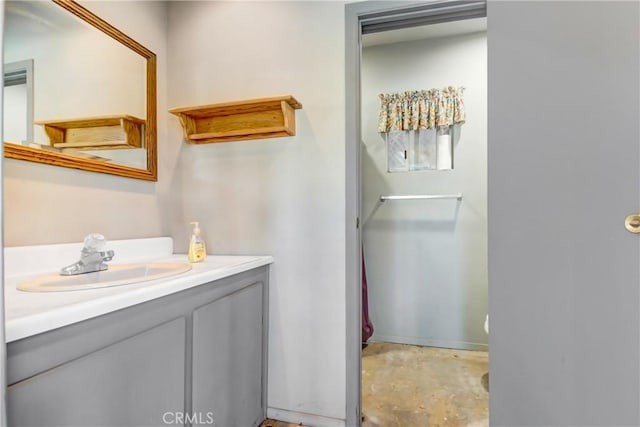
pixel 197 250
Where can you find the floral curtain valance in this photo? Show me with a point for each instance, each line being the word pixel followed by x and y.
pixel 421 109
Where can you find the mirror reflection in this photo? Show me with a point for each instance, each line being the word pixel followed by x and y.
pixel 72 89
pixel 18 101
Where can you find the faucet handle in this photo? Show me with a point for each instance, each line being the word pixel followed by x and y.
pixel 94 242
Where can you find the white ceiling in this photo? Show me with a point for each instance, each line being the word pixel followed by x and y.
pixel 24 18
pixel 424 32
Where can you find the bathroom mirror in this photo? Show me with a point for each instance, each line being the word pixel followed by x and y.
pixel 82 94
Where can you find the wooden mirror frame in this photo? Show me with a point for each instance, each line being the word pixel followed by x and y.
pixel 16 151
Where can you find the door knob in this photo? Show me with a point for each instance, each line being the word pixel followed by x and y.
pixel 632 223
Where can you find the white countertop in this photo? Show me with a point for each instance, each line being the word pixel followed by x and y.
pixel 31 313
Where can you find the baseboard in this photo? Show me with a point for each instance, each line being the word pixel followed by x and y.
pixel 458 345
pixel 304 418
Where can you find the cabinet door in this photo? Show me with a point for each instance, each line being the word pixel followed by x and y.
pixel 134 382
pixel 228 358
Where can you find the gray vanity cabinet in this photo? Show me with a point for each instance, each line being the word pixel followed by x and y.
pixel 196 357
pixel 126 383
pixel 233 323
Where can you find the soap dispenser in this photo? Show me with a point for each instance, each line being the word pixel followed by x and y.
pixel 197 249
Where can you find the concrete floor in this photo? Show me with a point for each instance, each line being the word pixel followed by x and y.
pixel 411 386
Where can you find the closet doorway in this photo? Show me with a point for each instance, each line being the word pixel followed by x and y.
pixel 417 260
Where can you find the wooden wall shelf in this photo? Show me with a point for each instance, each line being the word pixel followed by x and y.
pixel 239 120
pixel 95 133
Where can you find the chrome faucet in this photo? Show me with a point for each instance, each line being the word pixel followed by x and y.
pixel 92 258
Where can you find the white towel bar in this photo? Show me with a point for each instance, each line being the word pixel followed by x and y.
pixel 422 197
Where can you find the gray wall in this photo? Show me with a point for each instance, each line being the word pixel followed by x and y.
pixel 280 196
pixel 563 174
pixel 427 260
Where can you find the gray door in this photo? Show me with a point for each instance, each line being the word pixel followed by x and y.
pixel 563 175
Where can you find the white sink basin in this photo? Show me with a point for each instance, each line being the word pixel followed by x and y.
pixel 116 275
